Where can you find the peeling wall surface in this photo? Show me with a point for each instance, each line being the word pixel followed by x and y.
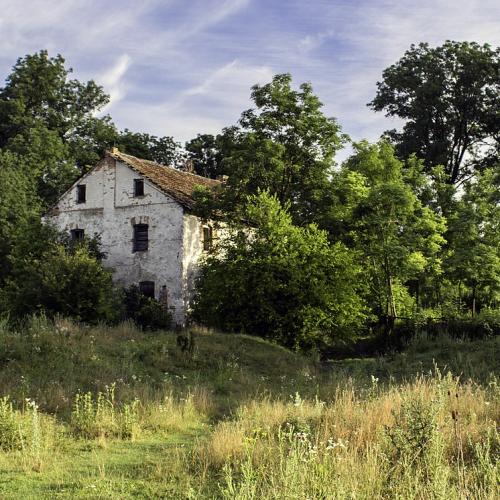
pixel 111 210
pixel 193 250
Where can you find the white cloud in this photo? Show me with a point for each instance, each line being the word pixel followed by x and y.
pixel 313 41
pixel 374 34
pixel 206 107
pixel 112 80
pixel 231 80
pixel 178 68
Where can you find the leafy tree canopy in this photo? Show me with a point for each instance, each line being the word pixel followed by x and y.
pixel 39 92
pixel 474 257
pixel 18 203
pixel 163 150
pixel 285 145
pixel 449 97
pixel 50 277
pixel 383 218
pixel 207 152
pixel 49 120
pixel 280 281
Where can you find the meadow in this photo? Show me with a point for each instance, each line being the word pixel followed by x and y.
pixel 114 412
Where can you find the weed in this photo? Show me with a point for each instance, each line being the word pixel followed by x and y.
pixel 10 436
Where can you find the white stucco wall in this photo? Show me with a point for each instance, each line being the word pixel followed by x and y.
pixel 192 252
pixel 111 211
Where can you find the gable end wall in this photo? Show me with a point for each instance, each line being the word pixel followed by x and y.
pixel 112 210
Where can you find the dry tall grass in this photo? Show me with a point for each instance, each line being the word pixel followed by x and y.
pixel 243 419
pixel 431 438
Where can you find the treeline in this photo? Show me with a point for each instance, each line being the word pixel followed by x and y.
pixel 405 229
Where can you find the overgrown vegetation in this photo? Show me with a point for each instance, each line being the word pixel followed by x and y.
pixel 146 312
pixel 419 210
pixel 115 412
pixel 314 253
pixel 280 281
pixel 394 252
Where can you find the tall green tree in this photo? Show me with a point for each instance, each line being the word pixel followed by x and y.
pixel 163 150
pixel 382 217
pixel 46 160
pixel 40 104
pixel 280 281
pixel 18 204
pixel 285 144
pixel 473 263
pixel 449 98
pixel 206 153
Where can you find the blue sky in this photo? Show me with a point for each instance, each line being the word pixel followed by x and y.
pixel 182 67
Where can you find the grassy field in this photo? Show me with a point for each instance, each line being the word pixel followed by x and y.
pixel 116 413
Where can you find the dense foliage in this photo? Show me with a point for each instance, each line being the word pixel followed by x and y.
pixel 285 145
pixel 309 252
pixel 449 99
pixel 381 216
pixel 146 312
pixel 280 281
pixel 52 278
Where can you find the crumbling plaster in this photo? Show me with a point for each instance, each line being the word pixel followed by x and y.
pixel 111 210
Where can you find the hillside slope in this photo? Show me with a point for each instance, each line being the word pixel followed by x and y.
pixel 118 413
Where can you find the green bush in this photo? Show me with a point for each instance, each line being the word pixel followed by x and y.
pixel 102 416
pixel 10 437
pixel 58 280
pixel 146 312
pixel 280 281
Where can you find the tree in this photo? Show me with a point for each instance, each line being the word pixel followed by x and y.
pixel 473 262
pixel 40 103
pixel 146 312
pixel 44 158
pixel 382 218
pixel 204 152
pixel 449 97
pixel 285 145
pixel 18 203
pixel 280 281
pixel 162 150
pixel 46 276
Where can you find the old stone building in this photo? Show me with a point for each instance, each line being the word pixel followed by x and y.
pixel 142 212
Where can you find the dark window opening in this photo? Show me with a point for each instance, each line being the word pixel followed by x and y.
pixel 140 237
pixel 77 235
pixel 138 187
pixel 207 238
pixel 147 288
pixel 81 193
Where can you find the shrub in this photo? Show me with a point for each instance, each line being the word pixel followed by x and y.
pixel 68 282
pixel 145 311
pixel 28 432
pixel 10 437
pixel 280 281
pixel 101 416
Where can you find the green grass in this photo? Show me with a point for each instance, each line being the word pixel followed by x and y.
pixel 242 418
pixel 118 469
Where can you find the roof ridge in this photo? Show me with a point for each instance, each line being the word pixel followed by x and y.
pixel 161 165
pixel 174 182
